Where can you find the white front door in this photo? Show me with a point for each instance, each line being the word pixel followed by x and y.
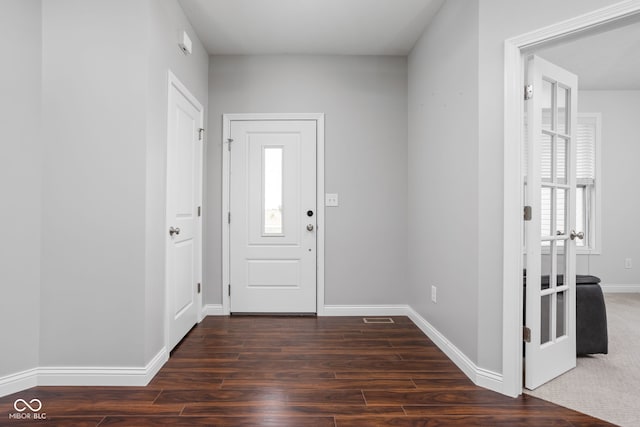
pixel 184 199
pixel 272 228
pixel 550 249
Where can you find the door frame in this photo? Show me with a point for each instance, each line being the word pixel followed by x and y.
pixel 320 206
pixel 174 82
pixel 515 50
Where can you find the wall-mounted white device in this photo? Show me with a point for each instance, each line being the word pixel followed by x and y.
pixel 330 199
pixel 185 43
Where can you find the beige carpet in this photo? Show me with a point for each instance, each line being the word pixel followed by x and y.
pixel 606 386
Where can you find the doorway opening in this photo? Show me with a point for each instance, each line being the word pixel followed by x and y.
pixel 273 203
pixel 609 103
pixel 516 50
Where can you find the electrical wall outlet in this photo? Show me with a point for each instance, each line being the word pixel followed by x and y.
pixel 628 263
pixel 434 294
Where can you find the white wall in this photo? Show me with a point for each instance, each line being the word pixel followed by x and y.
pixel 443 174
pixel 620 232
pixel 20 184
pixel 93 242
pixel 105 122
pixel 365 102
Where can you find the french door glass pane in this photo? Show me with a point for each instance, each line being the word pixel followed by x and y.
pixel 561 211
pixel 545 319
pixel 561 263
pixel 561 160
pixel 563 105
pixel 546 158
pixel 580 214
pixel 545 268
pixel 561 314
pixel 545 218
pixel 547 104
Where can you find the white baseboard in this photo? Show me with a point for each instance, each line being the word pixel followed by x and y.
pixel 19 381
pixel 81 376
pixel 213 310
pixel 154 366
pixel 480 376
pixel 98 376
pixel 490 380
pixel 456 356
pixel 365 310
pixel 619 289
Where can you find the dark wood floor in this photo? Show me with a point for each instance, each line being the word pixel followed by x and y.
pixel 279 371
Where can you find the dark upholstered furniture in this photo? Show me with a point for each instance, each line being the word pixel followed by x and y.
pixel 591 319
pixel 591 314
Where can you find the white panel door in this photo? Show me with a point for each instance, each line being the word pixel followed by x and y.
pixel 551 189
pixel 184 195
pixel 273 216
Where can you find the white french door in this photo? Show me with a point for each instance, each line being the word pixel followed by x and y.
pixel 184 200
pixel 550 246
pixel 272 216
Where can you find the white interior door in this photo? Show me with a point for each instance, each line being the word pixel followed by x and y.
pixel 550 249
pixel 272 229
pixel 184 195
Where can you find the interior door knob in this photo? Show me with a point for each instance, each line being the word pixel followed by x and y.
pixel 173 231
pixel 579 235
pixel 310 227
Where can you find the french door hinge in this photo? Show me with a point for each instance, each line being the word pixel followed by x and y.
pixel 199 210
pixel 200 134
pixel 199 288
pixel 526 334
pixel 229 141
pixel 229 217
pixel 527 213
pixel 229 289
pixel 528 92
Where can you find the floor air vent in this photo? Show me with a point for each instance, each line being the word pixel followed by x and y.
pixel 377 320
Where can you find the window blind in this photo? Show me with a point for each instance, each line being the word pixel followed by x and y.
pixel 586 151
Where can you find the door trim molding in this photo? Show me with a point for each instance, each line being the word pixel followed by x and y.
pixel 173 81
pixel 226 129
pixel 514 49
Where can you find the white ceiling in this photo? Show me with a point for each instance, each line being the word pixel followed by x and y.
pixel 347 27
pixel 605 61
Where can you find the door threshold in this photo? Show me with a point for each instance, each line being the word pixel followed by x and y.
pixel 249 314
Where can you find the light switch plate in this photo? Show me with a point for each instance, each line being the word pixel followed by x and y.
pixel 330 199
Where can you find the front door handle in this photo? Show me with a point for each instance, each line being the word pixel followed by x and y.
pixel 309 227
pixel 173 231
